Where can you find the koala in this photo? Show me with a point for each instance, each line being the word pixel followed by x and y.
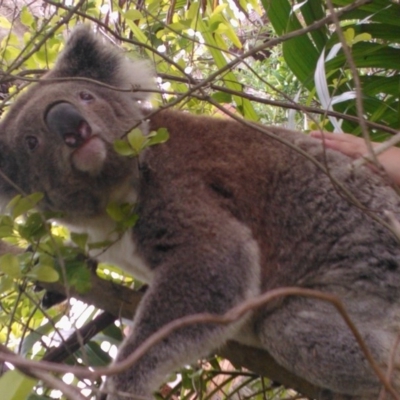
pixel 226 211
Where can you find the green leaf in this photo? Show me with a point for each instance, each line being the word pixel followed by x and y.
pixel 5 23
pixel 133 15
pixel 374 85
pixel 284 20
pixel 35 396
pixel 115 211
pixel 44 273
pixel 34 228
pixel 16 386
pixel 383 11
pixel 6 283
pixel 313 11
pixel 6 231
pixel 80 239
pixel 20 205
pixel 137 140
pixel 128 222
pixel 369 55
pixel 362 37
pixel 123 215
pixel 26 17
pixel 222 97
pixel 95 355
pixel 9 264
pixel 111 334
pixel 379 31
pixel 157 137
pixel 78 275
pixel 122 147
pixel 36 335
pixel 215 42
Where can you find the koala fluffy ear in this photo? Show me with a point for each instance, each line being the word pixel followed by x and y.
pixel 87 55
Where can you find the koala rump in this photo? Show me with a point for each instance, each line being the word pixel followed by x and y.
pixel 227 211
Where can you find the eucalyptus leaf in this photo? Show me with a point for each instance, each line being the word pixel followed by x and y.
pixel 158 137
pixel 16 386
pixel 123 148
pixel 80 239
pixel 44 273
pixel 9 264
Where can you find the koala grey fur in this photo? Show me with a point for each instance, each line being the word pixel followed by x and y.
pixel 225 213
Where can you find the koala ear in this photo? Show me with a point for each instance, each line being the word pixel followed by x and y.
pixel 87 55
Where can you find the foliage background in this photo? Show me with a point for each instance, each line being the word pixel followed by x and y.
pixel 276 61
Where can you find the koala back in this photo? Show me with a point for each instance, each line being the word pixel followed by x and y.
pixel 301 220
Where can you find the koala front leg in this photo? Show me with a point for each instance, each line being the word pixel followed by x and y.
pixel 211 278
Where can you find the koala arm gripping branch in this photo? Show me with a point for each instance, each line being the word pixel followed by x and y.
pixel 193 279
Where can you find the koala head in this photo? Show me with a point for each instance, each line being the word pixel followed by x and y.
pixel 57 138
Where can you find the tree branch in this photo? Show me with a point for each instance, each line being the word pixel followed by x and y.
pixel 125 304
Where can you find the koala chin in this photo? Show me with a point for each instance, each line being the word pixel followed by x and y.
pixel 227 211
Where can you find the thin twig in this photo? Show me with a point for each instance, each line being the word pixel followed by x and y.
pixel 376 150
pixel 71 392
pixel 391 364
pixel 337 184
pixel 357 83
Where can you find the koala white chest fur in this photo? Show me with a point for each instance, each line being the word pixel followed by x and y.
pixel 225 212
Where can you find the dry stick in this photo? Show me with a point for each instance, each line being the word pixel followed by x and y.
pixel 127 302
pixel 72 344
pixel 37 46
pixel 118 37
pixel 394 222
pixel 371 156
pixel 237 312
pixel 270 43
pixel 205 318
pixel 306 109
pixel 357 84
pixel 64 342
pixel 390 367
pixel 277 103
pixel 377 150
pixel 273 42
pixel 337 184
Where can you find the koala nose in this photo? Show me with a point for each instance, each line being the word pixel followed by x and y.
pixel 66 121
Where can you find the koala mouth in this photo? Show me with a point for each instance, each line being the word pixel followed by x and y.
pixel 79 136
pixel 64 120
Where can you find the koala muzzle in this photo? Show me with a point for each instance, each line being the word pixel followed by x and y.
pixel 65 120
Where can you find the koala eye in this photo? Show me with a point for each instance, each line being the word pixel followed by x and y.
pixel 31 142
pixel 85 96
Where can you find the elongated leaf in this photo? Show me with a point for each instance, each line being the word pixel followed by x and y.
pixel 381 84
pixel 36 335
pixel 369 55
pixel 384 11
pixel 294 50
pixel 229 78
pixel 312 11
pixel 9 265
pixel 15 386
